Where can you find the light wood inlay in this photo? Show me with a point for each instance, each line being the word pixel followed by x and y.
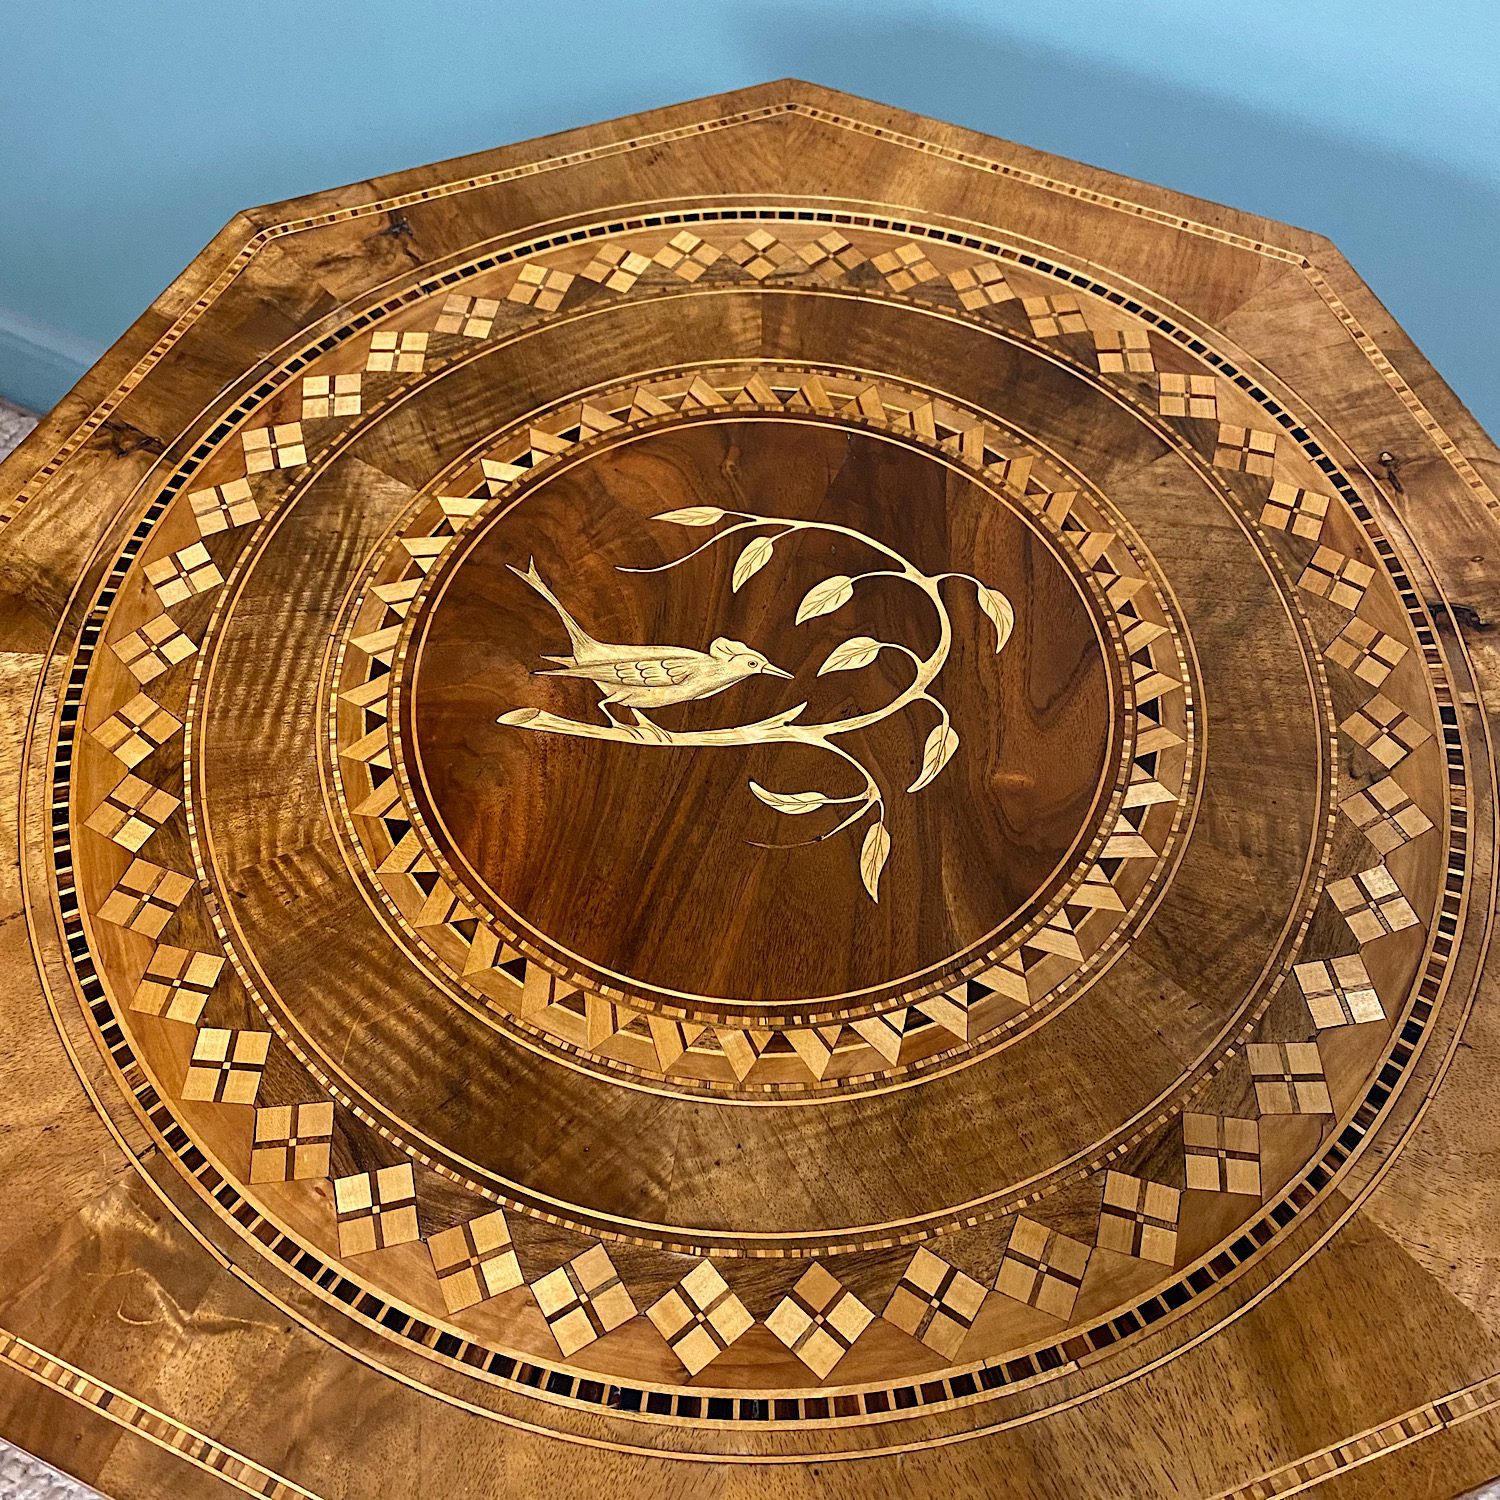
pixel 668 845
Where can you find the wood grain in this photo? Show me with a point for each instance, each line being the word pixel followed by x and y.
pixel 1034 724
pixel 1098 1112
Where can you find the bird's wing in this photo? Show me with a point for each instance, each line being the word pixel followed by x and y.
pixel 644 671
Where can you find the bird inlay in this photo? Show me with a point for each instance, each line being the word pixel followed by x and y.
pixel 651 677
pixel 648 676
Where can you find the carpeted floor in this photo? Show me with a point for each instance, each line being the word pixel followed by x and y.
pixel 14 425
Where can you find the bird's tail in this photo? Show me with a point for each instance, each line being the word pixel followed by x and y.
pixel 580 638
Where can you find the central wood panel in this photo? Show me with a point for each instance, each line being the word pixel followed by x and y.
pixel 589 842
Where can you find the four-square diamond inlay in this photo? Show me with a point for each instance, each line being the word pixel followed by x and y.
pixel 935 1302
pixel 961 1279
pixel 583 1300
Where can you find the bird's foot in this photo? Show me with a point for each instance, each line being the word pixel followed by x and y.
pixel 652 733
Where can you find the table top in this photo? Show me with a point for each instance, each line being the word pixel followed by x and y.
pixel 764 785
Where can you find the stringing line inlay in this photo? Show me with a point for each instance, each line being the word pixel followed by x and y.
pixel 934 1318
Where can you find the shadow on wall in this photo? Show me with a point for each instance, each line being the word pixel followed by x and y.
pixel 1422 235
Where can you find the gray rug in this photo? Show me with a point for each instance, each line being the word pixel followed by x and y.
pixel 14 425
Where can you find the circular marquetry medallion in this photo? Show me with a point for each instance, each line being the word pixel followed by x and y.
pixel 648 737
pixel 1051 782
pixel 749 825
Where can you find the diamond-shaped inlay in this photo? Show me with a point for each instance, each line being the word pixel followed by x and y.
pixel 1043 1268
pixel 935 1302
pixel 783 1143
pixel 1386 815
pixel 583 1300
pixel 1187 395
pixel 226 1065
pixel 1123 351
pixel 1372 904
pixel 133 731
pixel 475 1261
pixel 981 284
pixel 376 1209
pixel 1139 1217
pixel 332 395
pixel 471 317
pixel 145 897
pixel 278 447
pixel 686 255
pixel 831 255
pixel 394 353
pixel 819 1320
pixel 700 1317
pixel 1370 654
pixel 184 574
pixel 1288 1078
pixel 132 812
pixel 1339 579
pixel 616 267
pixel 1338 992
pixel 1301 512
pixel 292 1142
pixel 1387 731
pixel 1245 448
pixel 1222 1154
pixel 540 287
pixel 1051 317
pixel 224 506
pixel 153 648
pixel 905 267
pixel 177 984
pixel 761 254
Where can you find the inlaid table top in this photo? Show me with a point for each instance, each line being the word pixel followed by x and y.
pixel 762 786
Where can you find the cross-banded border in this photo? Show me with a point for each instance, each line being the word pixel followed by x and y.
pixel 1311 1181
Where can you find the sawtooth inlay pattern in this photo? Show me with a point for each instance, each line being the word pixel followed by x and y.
pixel 763 828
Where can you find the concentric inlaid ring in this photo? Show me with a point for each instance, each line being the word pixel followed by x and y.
pixel 1163 614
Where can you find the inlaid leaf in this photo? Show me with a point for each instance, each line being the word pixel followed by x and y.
pixel 825 597
pixel 997 607
pixel 872 858
pixel 859 652
pixel 694 515
pixel 936 754
pixel 791 803
pixel 755 556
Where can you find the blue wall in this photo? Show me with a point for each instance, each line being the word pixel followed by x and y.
pixel 130 132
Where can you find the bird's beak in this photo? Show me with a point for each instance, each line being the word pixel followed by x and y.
pixel 769 671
